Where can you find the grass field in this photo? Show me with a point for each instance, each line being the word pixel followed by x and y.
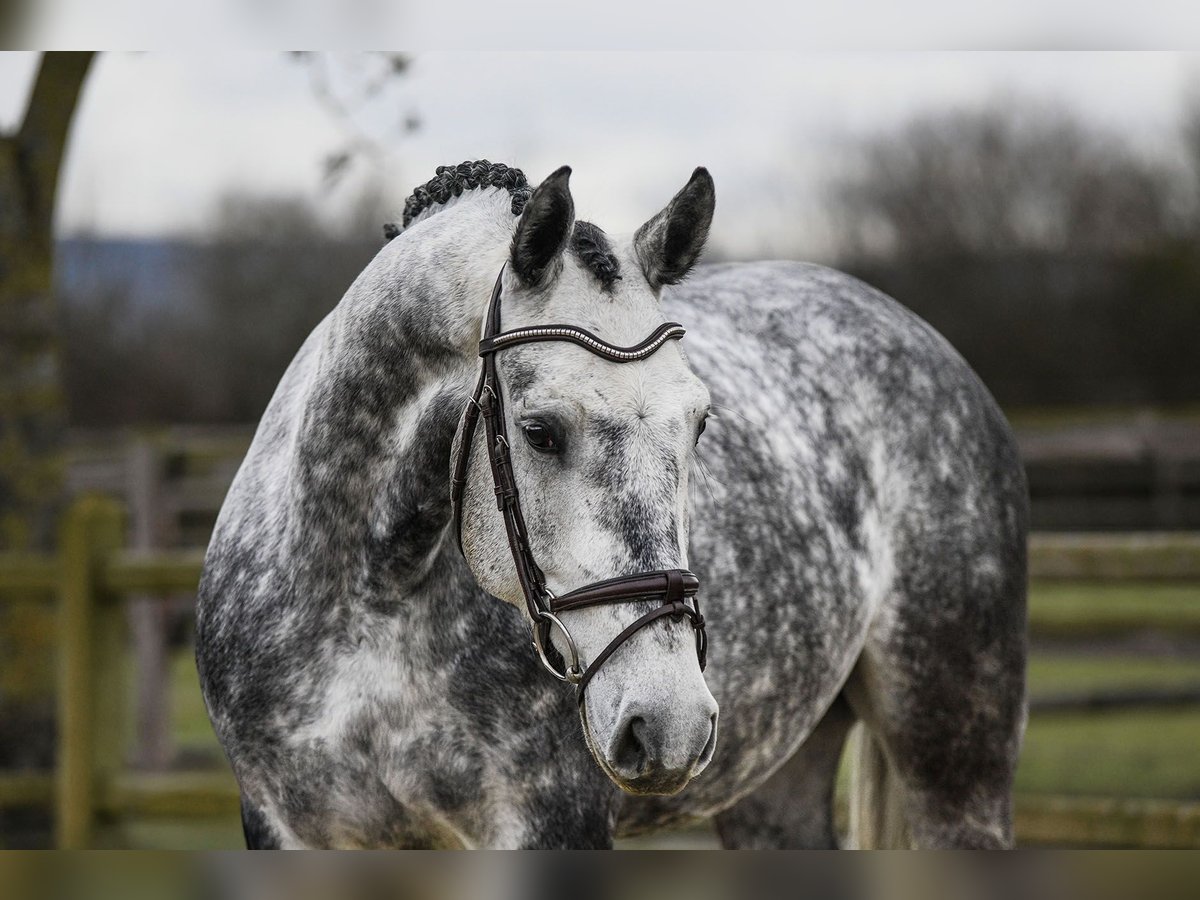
pixel 1070 609
pixel 1146 754
pixel 1128 754
pixel 1151 753
pixel 1065 416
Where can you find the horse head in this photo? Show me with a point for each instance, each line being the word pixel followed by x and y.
pixel 599 455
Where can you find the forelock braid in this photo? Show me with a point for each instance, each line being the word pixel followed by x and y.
pixel 451 181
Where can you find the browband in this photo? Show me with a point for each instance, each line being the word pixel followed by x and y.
pixel 584 338
pixel 673 588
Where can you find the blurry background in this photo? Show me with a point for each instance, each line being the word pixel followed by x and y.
pixel 1042 210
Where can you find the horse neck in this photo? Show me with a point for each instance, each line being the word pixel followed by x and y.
pixel 370 485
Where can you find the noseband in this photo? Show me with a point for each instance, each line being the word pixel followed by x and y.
pixel 672 587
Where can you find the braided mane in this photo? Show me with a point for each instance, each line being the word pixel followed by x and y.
pixel 588 243
pixel 450 181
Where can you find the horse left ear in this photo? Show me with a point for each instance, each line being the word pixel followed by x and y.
pixel 542 232
pixel 669 244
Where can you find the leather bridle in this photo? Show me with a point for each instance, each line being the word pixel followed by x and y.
pixel 672 587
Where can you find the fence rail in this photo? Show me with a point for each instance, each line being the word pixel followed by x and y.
pixel 125 572
pixel 1150 556
pixel 93 574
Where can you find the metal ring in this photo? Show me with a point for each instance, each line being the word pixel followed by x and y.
pixel 574 672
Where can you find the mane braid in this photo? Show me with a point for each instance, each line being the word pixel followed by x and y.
pixel 451 181
pixel 591 247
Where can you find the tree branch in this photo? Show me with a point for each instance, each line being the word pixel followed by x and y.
pixel 42 138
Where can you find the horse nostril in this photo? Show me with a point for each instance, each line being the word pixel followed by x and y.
pixel 631 748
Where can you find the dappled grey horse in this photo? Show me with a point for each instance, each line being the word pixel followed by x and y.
pixel 854 515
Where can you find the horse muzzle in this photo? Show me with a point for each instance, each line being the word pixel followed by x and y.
pixel 660 752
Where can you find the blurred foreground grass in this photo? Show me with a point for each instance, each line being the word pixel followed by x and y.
pixel 1105 637
pixel 1081 609
pixel 1031 417
pixel 1153 753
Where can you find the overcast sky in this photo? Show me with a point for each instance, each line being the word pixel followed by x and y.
pixel 160 136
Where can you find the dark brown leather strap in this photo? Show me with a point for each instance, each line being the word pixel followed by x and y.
pixel 470 418
pixel 679 610
pixel 508 501
pixel 668 586
pixel 672 586
pixel 458 482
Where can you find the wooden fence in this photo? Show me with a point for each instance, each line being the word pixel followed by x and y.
pixel 93 574
pixel 89 579
pixel 1138 470
pixel 1122 471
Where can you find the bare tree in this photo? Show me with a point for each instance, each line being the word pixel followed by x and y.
pixel 1190 136
pixel 30 399
pixel 1012 177
pixel 31 405
pixel 365 78
pixel 1058 257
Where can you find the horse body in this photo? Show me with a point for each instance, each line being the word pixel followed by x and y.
pixel 858 527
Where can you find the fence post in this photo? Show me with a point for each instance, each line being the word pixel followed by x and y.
pixel 148 613
pixel 91 680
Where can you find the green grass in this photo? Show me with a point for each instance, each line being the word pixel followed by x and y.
pixel 189 718
pixel 1048 672
pixel 156 834
pixel 1067 609
pixel 1135 754
pixel 1126 754
pixel 1024 417
pixel 1148 754
pixel 1053 673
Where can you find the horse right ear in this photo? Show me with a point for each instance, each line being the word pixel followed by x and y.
pixel 543 230
pixel 669 244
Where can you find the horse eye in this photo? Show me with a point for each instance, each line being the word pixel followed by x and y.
pixel 540 438
pixel 700 430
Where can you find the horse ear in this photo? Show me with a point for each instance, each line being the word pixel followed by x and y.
pixel 669 244
pixel 543 229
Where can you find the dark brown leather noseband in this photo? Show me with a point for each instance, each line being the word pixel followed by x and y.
pixel 673 588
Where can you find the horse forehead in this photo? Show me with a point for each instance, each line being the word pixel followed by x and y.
pixel 624 316
pixel 620 320
pixel 660 386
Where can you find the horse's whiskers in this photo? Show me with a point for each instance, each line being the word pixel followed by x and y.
pixel 708 479
pixel 740 415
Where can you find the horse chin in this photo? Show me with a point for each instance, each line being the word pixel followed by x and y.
pixel 653 787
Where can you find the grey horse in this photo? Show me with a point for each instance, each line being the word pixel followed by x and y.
pixel 855 510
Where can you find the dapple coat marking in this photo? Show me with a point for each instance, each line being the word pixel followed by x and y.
pixel 855 510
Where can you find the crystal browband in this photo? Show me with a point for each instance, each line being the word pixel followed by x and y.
pixel 584 338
